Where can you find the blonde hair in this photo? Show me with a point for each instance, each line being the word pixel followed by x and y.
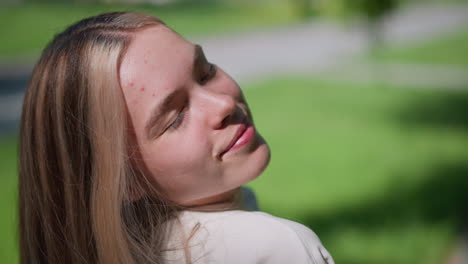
pixel 76 175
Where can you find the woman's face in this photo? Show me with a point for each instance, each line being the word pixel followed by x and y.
pixel 191 122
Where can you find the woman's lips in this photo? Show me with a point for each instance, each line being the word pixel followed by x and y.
pixel 244 138
pixel 244 135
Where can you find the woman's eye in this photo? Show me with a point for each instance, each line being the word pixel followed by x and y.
pixel 178 120
pixel 210 73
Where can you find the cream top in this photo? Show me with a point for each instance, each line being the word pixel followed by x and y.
pixel 233 237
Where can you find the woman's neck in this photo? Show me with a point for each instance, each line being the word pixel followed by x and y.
pixel 230 200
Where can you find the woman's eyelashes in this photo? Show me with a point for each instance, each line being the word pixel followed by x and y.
pixel 208 74
pixel 178 120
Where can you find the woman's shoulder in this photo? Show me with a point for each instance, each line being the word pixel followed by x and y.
pixel 255 224
pixel 253 236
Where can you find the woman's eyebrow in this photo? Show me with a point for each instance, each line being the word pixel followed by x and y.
pixel 160 109
pixel 198 53
pixel 198 58
pixel 158 112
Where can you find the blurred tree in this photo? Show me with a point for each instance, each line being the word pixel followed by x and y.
pixel 303 8
pixel 374 11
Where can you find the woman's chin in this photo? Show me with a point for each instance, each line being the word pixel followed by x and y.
pixel 257 163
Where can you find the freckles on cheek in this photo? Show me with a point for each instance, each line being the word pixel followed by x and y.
pixel 178 157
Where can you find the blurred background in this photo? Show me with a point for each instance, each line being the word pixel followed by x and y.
pixel 364 104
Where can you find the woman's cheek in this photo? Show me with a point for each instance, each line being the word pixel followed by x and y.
pixel 182 155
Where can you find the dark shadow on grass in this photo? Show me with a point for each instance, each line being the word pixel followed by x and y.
pixel 440 108
pixel 443 198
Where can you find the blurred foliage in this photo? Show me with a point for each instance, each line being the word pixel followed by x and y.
pixel 28 27
pixel 451 50
pixel 371 9
pixel 29 24
pixel 304 8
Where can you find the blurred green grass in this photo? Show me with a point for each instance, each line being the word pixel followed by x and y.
pixel 28 27
pixel 8 200
pixel 450 50
pixel 377 171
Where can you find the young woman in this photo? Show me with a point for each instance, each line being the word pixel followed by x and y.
pixel 134 148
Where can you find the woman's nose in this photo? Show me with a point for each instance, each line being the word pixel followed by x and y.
pixel 220 110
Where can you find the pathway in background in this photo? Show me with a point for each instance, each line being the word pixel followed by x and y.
pixel 310 49
pixel 410 75
pixel 320 45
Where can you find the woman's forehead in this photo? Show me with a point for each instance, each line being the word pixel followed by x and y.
pixel 157 52
pixel 156 62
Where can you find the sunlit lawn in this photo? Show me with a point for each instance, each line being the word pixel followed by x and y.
pixel 8 247
pixel 451 50
pixel 26 28
pixel 379 172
